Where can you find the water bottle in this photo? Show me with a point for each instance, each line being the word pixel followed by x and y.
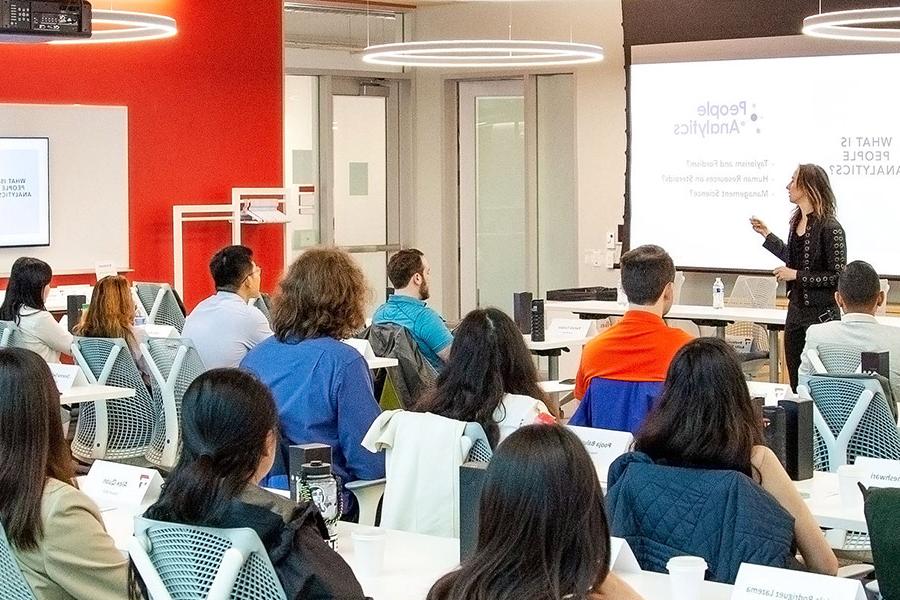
pixel 718 293
pixel 319 486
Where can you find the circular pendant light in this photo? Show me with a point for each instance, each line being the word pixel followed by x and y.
pixel 850 25
pixel 482 54
pixel 128 27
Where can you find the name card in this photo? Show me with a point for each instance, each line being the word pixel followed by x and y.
pixel 603 445
pixel 105 269
pixel 362 346
pixel 67 376
pixel 112 485
pixel 754 582
pixel 621 557
pixel 880 472
pixel 159 331
pixel 567 329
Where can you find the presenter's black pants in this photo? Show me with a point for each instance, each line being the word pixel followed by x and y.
pixel 796 323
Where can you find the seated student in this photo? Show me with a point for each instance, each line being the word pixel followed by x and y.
pixel 322 386
pixel 54 530
pixel 859 295
pixel 224 327
pixel 409 273
pixel 490 378
pixel 111 315
pixel 26 292
pixel 229 441
pixel 705 419
pixel 542 530
pixel 640 346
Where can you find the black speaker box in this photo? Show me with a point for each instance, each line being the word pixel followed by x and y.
pixel 774 432
pixel 471 480
pixel 537 320
pixel 876 362
pixel 73 309
pixel 798 421
pixel 522 311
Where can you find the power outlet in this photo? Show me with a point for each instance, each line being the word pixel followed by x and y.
pixel 597 258
pixel 610 259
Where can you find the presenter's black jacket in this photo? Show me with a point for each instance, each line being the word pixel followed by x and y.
pixel 819 257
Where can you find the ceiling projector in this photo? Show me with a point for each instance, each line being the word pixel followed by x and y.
pixel 38 21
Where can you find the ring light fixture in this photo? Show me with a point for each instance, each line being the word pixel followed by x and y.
pixel 482 54
pixel 129 27
pixel 850 25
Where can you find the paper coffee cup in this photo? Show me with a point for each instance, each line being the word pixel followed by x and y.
pixel 686 573
pixel 368 552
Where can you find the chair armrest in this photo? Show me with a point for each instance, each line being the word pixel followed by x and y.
pixel 368 494
pixel 361 484
pixel 855 571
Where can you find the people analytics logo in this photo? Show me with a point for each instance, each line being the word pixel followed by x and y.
pixel 713 118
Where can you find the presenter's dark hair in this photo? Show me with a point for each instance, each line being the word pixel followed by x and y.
pixel 704 417
pixel 541 507
pixel 858 285
pixel 488 359
pixel 230 266
pixel 813 181
pixel 323 294
pixel 403 265
pixel 227 416
pixel 32 445
pixel 27 280
pixel 646 271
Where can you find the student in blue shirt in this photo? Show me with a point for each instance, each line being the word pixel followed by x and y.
pixel 410 273
pixel 322 387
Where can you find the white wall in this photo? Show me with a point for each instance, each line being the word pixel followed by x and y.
pixel 600 123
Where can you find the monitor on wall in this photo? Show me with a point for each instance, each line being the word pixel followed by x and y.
pixel 24 191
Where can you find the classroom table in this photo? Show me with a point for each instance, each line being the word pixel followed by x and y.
pixel 822 495
pixel 552 348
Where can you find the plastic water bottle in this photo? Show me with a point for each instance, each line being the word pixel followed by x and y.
pixel 718 293
pixel 320 487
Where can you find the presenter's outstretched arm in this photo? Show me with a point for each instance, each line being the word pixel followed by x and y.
pixel 759 227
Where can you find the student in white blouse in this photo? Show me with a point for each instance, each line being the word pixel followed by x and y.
pixel 490 378
pixel 26 292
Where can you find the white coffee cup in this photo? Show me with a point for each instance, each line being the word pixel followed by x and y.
pixel 848 478
pixel 368 552
pixel 686 573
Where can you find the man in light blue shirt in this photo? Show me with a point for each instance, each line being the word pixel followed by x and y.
pixel 410 274
pixel 224 327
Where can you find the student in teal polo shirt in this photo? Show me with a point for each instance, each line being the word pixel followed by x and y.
pixel 410 273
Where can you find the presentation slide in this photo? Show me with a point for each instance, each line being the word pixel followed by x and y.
pixel 24 192
pixel 714 143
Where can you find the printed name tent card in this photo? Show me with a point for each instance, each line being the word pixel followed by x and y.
pixel 621 557
pixel 880 472
pixel 116 485
pixel 67 376
pixel 362 346
pixel 603 445
pixel 755 582
pixel 567 329
pixel 105 269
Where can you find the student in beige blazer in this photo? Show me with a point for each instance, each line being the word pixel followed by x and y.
pixel 54 530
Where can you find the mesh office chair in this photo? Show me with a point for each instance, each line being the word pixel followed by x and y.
pixel 113 429
pixel 9 334
pixel 13 585
pixel 752 292
pixel 263 303
pixel 175 364
pixel 183 562
pixel 162 305
pixel 835 359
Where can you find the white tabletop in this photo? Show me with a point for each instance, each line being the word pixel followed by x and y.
pixel 381 363
pixel 822 496
pixel 656 586
pixel 94 392
pixel 556 387
pixel 689 312
pixel 556 343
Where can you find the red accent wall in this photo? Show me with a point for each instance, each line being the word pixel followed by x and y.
pixel 204 115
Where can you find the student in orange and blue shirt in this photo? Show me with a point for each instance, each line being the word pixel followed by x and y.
pixel 640 346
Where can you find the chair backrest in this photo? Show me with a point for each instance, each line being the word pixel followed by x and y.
pixel 753 292
pixel 162 304
pixel 720 515
pixel 9 334
pixel 175 364
pixel 883 520
pixel 184 562
pixel 13 585
pixel 851 418
pixel 616 405
pixel 113 429
pixel 839 359
pixel 413 373
pixel 885 287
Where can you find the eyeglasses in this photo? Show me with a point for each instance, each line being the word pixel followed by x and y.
pixel 256 271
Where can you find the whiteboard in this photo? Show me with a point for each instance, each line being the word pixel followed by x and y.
pixel 88 183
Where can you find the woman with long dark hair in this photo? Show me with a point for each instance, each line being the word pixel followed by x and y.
pixel 229 441
pixel 542 530
pixel 490 378
pixel 111 315
pixel 54 530
pixel 814 256
pixel 705 419
pixel 23 304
